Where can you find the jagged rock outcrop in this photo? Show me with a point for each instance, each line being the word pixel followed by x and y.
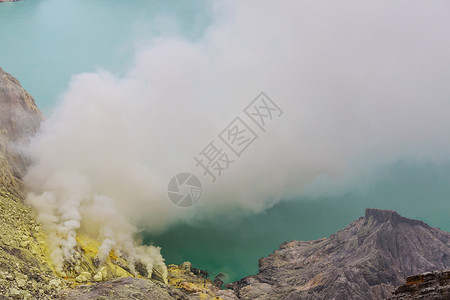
pixel 19 119
pixel 426 286
pixel 366 261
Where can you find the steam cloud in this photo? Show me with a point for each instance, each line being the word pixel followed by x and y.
pixel 360 84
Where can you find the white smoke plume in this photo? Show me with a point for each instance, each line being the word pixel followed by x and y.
pixel 360 84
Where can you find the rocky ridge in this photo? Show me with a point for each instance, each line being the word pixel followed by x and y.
pixel 366 260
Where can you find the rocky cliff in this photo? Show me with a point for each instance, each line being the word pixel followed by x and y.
pixel 366 260
pixel 19 119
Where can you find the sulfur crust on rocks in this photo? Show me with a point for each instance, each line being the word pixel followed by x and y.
pixel 109 268
pixel 25 254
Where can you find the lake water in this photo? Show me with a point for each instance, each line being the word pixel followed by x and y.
pixel 44 42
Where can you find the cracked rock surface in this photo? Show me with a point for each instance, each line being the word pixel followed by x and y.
pixel 426 286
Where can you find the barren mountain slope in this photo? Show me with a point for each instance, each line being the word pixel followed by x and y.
pixel 366 260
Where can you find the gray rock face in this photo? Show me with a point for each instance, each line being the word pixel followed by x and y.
pixel 426 286
pixel 19 119
pixel 123 288
pixel 366 261
pixel 19 115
